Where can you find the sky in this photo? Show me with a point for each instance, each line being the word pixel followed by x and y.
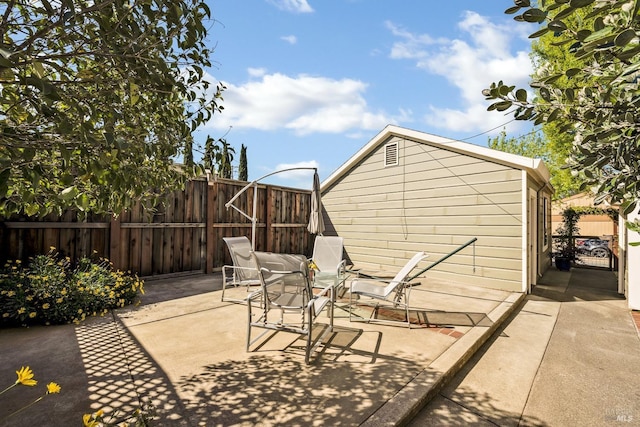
pixel 310 82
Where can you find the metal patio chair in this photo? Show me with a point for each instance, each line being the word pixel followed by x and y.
pixel 328 258
pixel 244 271
pixel 393 293
pixel 287 302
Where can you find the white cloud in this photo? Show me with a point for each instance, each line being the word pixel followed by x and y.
pixel 412 45
pixel 257 72
pixel 304 104
pixel 470 65
pixel 290 39
pixel 295 6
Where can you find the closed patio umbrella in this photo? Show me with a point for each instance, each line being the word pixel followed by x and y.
pixel 316 223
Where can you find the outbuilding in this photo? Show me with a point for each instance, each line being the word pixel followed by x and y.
pixel 407 191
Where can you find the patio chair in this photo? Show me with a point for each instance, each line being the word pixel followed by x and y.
pixel 244 271
pixel 287 302
pixel 395 292
pixel 328 258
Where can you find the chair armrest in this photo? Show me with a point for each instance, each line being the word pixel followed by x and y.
pixel 324 291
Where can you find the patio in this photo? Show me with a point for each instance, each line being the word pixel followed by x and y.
pixel 183 351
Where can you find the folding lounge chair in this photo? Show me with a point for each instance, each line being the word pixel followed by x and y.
pixel 244 271
pixel 287 302
pixel 328 258
pixel 395 292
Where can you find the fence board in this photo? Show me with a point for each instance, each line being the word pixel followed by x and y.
pixel 184 234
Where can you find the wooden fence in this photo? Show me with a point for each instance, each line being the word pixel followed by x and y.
pixel 182 235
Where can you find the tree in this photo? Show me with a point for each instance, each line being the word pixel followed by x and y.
pixel 243 171
pixel 225 169
pixel 536 145
pixel 531 145
pixel 598 103
pixel 97 99
pixel 550 57
pixel 218 155
pixel 209 158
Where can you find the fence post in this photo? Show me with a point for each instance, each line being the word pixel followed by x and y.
pixel 210 220
pixel 268 228
pixel 114 241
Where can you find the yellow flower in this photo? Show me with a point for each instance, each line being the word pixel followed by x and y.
pixel 92 420
pixel 11 293
pixel 53 388
pixel 32 314
pixel 25 376
pixel 22 310
pixel 45 305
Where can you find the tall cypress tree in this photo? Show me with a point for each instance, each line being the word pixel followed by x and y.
pixel 243 171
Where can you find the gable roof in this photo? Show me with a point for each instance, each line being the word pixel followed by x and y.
pixel 534 167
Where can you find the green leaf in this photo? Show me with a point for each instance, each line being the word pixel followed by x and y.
pixel 583 34
pixel 599 35
pixel 545 94
pixel 134 92
pixel 39 69
pixel 539 33
pixel 512 10
pixel 504 105
pixel 580 3
pixel 564 13
pixel 534 15
pixel 572 72
pixel 69 193
pixel 569 94
pixel 5 62
pixel 521 95
pixel 623 38
pixel 557 26
pixel 628 207
pixel 554 115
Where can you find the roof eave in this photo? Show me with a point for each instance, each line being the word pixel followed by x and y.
pixel 535 167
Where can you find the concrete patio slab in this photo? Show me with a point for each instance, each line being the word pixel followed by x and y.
pixel 182 350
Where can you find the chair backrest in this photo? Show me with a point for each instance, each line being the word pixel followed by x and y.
pixel 284 278
pixel 404 272
pixel 328 252
pixel 240 251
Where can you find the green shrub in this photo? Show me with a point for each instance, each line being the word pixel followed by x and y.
pixel 50 290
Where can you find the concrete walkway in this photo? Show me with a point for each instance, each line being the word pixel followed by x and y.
pixel 183 351
pixel 569 357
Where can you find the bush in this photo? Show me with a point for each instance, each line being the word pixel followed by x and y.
pixel 50 290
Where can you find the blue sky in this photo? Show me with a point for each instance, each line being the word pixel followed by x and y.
pixel 311 82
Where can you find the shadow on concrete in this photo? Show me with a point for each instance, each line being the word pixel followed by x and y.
pixel 282 390
pixel 583 285
pixel 122 376
pixel 470 408
pixel 422 318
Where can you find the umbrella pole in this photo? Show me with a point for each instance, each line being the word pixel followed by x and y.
pixel 254 220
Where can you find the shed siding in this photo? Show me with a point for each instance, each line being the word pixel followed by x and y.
pixel 433 200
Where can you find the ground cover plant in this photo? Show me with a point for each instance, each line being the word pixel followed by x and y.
pixel 51 289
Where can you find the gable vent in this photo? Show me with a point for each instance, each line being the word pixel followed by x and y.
pixel 391 154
